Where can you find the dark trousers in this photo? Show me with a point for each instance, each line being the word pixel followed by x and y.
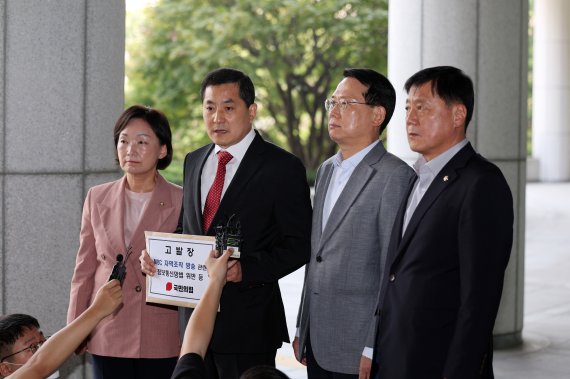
pixel 231 366
pixel 314 371
pixel 132 368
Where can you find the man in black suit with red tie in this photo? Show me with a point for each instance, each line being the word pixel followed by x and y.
pixel 450 244
pixel 264 188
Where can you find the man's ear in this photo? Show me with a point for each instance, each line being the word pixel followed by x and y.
pixel 252 112
pixel 379 115
pixel 459 115
pixel 4 369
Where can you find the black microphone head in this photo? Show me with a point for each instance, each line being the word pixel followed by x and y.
pixel 119 257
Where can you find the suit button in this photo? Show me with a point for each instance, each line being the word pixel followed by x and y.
pixel 392 277
pixel 138 288
pixel 319 258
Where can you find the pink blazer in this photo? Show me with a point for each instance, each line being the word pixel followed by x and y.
pixel 136 329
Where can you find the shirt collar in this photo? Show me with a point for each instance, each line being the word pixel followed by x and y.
pixel 355 159
pixel 421 166
pixel 239 149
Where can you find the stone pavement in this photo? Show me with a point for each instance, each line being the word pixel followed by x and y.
pixel 545 352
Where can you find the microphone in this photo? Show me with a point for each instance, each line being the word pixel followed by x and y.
pixel 119 270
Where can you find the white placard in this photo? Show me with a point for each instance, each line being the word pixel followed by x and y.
pixel 181 277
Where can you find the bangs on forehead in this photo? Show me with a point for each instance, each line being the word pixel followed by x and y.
pixel 434 86
pixel 123 132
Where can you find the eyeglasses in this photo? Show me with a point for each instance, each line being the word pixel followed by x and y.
pixel 342 103
pixel 32 348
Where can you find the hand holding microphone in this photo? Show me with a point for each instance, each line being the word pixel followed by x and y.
pixel 119 269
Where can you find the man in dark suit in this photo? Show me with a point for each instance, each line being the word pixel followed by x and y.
pixel 450 244
pixel 264 188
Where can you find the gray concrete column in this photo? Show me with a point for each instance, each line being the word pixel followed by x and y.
pixel 551 90
pixel 487 40
pixel 61 90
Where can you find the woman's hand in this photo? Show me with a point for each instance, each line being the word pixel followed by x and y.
pixel 147 264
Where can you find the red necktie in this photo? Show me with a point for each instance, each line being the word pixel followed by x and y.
pixel 215 194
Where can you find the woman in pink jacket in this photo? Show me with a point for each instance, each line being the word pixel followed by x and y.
pixel 139 340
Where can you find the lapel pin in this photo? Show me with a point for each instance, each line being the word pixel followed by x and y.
pixel 445 178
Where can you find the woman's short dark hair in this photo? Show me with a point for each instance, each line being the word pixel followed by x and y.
pixel 157 122
pixel 380 91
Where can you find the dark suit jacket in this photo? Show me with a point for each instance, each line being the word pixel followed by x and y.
pixel 440 298
pixel 270 196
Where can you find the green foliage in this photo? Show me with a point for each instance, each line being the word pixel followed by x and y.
pixel 174 172
pixel 294 51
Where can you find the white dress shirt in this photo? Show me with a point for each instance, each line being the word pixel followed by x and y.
pixel 209 171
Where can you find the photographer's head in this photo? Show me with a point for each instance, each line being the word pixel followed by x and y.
pixel 263 372
pixel 20 338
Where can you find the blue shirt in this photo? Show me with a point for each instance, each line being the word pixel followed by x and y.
pixel 342 170
pixel 426 172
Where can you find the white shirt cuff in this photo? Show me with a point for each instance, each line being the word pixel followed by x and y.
pixel 368 352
